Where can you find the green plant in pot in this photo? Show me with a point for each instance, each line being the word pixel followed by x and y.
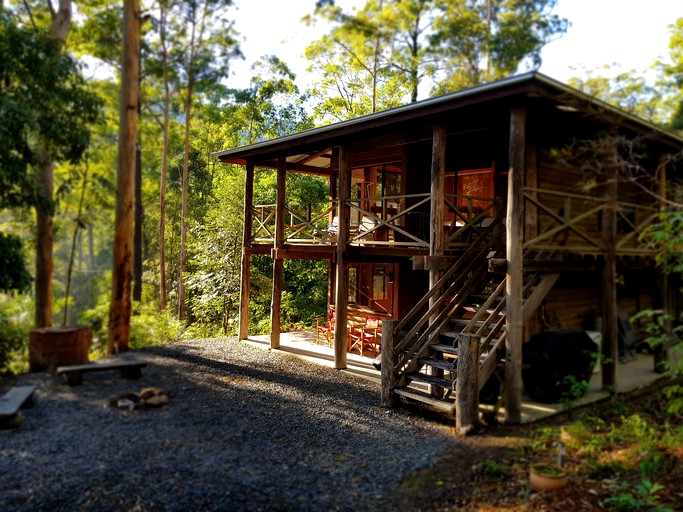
pixel 545 477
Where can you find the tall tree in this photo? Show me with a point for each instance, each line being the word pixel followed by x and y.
pixel 120 307
pixel 386 50
pixel 484 40
pixel 674 72
pixel 211 44
pixel 53 126
pixel 356 76
pixel 59 29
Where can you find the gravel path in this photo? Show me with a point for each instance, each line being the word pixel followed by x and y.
pixel 246 429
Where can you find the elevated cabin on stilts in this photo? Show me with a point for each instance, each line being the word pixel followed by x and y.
pixel 458 222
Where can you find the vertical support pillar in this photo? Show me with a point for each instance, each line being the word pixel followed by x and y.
pixel 436 229
pixel 661 351
pixel 610 318
pixel 245 275
pixel 342 274
pixel 467 384
pixel 514 237
pixel 331 277
pixel 389 376
pixel 533 324
pixel 278 263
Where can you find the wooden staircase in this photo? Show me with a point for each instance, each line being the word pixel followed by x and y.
pixel 467 302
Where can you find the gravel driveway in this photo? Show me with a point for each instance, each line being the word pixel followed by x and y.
pixel 246 429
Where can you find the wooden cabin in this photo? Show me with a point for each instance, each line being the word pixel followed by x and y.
pixel 457 221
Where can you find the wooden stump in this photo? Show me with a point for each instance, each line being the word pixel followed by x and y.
pixel 50 347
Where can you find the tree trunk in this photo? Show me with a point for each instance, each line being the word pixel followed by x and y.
pixel 60 20
pixel 183 216
pixel 139 215
pixel 59 29
pixel 120 308
pixel 186 162
pixel 164 164
pixel 44 243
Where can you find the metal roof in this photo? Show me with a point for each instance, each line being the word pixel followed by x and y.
pixel 527 83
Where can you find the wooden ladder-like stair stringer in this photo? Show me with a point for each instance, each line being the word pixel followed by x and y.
pixel 429 373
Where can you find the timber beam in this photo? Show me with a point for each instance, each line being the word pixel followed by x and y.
pixel 303 253
pixel 499 265
pixel 433 262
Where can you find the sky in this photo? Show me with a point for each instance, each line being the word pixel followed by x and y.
pixel 630 33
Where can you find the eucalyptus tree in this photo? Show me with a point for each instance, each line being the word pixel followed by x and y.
pixel 356 75
pixel 166 71
pixel 52 127
pixel 673 73
pixel 630 91
pixel 390 48
pixel 271 106
pixel 483 40
pixel 121 295
pixel 56 22
pixel 209 44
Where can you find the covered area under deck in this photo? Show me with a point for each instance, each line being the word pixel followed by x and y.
pixel 635 374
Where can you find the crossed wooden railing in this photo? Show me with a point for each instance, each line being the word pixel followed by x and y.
pixel 399 220
pixel 573 222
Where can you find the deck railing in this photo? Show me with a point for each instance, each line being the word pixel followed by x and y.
pixel 565 222
pixel 573 222
pixel 398 220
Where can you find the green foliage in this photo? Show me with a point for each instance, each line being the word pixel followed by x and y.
pixel 377 57
pixel 270 107
pixel 45 107
pixel 150 327
pixel 480 41
pixel 645 496
pixel 575 389
pixel 15 324
pixel 673 73
pixel 629 90
pixel 13 273
pixel 491 467
pixel 660 333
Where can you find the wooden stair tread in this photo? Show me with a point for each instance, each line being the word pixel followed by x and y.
pixel 448 366
pixel 474 309
pixel 441 404
pixel 446 349
pixel 430 379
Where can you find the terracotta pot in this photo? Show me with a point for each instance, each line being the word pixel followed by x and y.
pixel 546 477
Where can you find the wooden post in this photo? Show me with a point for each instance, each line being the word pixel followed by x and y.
pixel 331 277
pixel 514 238
pixel 278 263
pixel 436 229
pixel 342 275
pixel 245 281
pixel 661 351
pixel 610 316
pixel 467 384
pixel 389 377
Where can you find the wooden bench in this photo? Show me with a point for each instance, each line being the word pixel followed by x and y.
pixel 74 374
pixel 19 397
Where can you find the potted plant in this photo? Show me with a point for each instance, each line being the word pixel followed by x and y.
pixel 545 477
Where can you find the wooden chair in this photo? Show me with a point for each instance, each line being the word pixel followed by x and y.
pixel 368 335
pixel 324 329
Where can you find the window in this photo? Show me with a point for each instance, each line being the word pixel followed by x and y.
pixel 353 285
